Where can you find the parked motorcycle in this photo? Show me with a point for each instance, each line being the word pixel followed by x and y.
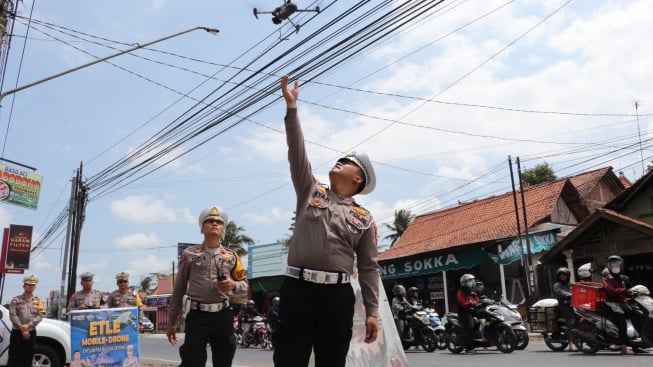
pixel 492 331
pixel 257 333
pixel 544 318
pixel 418 330
pixel 436 324
pixel 595 332
pixel 237 334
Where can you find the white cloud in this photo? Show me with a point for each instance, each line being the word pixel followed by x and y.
pixel 270 216
pixel 138 240
pixel 143 209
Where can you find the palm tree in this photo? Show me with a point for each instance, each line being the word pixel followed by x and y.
pixel 234 240
pixel 403 218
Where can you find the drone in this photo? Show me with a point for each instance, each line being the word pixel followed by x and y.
pixel 284 12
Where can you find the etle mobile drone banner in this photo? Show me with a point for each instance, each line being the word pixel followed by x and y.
pixel 105 337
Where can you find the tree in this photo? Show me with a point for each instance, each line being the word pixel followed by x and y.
pixel 234 240
pixel 403 218
pixel 543 172
pixel 146 284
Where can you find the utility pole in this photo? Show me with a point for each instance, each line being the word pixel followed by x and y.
pixel 531 272
pixel 524 260
pixel 64 270
pixel 78 202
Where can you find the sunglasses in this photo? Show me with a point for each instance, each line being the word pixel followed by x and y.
pixel 123 281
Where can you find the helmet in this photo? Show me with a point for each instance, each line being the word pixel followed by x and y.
pixel 480 287
pixel 585 270
pixel 468 281
pixel 563 271
pixel 399 291
pixel 413 292
pixel 275 301
pixel 605 272
pixel 615 264
pixel 250 302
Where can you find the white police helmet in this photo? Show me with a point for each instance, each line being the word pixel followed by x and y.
pixel 213 212
pixel 365 164
pixel 585 270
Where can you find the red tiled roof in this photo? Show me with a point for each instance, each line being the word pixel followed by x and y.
pixel 488 219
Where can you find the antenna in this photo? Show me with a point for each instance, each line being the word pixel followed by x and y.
pixel 639 134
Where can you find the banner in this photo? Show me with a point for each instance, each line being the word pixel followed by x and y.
pixel 16 249
pixel 433 264
pixel 539 242
pixel 105 337
pixel 19 187
pixel 387 349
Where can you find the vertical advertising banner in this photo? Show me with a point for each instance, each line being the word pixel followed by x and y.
pixel 105 337
pixel 19 187
pixel 16 249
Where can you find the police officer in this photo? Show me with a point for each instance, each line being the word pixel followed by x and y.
pixel 24 314
pixel 87 298
pixel 208 274
pixel 331 230
pixel 131 360
pixel 124 296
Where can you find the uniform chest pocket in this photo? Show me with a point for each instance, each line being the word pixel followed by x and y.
pixel 317 209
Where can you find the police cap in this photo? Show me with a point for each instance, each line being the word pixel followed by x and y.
pixel 87 275
pixel 30 280
pixel 122 276
pixel 213 212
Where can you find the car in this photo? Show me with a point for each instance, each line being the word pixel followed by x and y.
pixel 52 341
pixel 146 325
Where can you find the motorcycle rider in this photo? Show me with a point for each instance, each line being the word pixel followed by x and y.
pixel 468 303
pixel 562 291
pixel 246 314
pixel 273 314
pixel 617 291
pixel 413 297
pixel 399 305
pixel 585 272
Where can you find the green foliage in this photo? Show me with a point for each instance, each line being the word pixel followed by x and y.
pixel 233 239
pixel 543 172
pixel 403 218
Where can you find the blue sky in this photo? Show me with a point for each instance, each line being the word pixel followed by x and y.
pixel 439 106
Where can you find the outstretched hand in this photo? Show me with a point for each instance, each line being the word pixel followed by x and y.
pixel 290 95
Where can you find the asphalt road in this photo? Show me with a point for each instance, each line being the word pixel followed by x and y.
pixel 157 352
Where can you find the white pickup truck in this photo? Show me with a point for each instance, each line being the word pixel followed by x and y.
pixel 52 341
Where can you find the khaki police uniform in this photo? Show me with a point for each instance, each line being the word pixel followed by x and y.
pixel 127 298
pixel 91 299
pixel 330 231
pixel 24 312
pixel 208 315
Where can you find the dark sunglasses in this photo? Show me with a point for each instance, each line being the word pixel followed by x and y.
pixel 123 281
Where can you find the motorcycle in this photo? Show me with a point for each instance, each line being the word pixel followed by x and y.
pixel 257 334
pixel 513 318
pixel 544 318
pixel 595 332
pixel 417 326
pixel 237 334
pixel 492 331
pixel 436 325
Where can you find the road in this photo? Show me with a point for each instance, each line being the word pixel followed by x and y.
pixel 156 351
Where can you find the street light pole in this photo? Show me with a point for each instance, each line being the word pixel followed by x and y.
pixel 12 91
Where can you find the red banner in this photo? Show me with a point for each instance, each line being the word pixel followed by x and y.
pixel 16 247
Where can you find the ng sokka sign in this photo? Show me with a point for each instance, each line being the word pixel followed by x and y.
pixel 433 264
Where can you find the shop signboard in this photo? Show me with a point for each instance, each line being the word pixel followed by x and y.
pixel 539 242
pixel 433 264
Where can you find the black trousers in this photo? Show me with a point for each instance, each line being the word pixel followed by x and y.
pixel 619 320
pixel 467 320
pixel 315 317
pixel 21 351
pixel 214 328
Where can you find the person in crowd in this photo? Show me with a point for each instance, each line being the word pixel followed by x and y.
pixel 562 292
pixel 468 303
pixel 87 298
pixel 585 272
pixel 413 297
pixel 332 234
pixel 246 314
pixel 208 275
pixel 25 316
pixel 399 305
pixel 273 314
pixel 616 286
pixel 125 296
